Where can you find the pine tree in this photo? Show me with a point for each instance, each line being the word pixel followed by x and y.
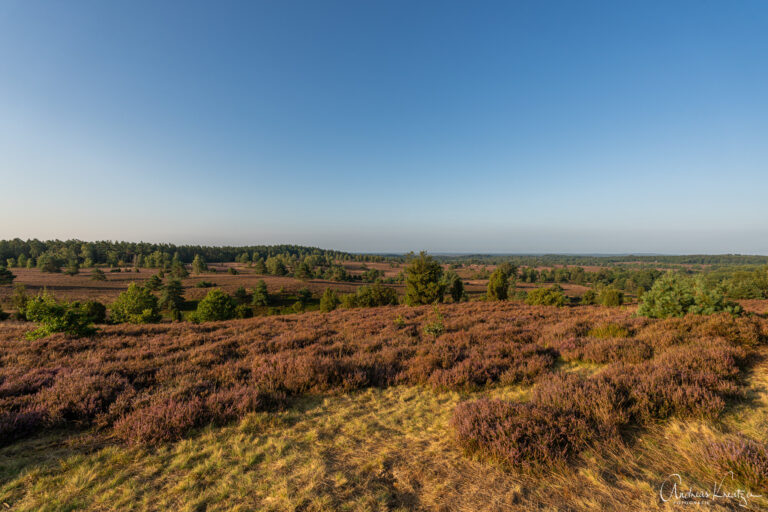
pixel 423 281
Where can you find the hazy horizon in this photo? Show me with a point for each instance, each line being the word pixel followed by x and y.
pixel 496 127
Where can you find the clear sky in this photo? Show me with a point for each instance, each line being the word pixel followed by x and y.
pixel 388 125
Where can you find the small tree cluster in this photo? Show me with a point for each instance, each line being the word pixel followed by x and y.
pixel 136 305
pixel 677 295
pixel 423 283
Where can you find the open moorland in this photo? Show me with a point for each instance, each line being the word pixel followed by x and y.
pixel 396 384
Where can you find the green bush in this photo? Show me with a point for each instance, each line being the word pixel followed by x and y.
pixel 136 305
pixel 216 306
pixel 589 298
pixel 6 276
pixel 172 297
pixel 375 295
pixel 498 285
pixel 204 284
pixel 154 283
pixel 329 301
pixel 53 316
pixel 93 310
pixel 98 275
pixel 260 294
pixel 610 296
pixel 549 296
pixel 423 283
pixel 435 327
pixel 243 311
pixel 675 295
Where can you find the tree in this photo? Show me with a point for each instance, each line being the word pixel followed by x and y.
pixel 215 306
pixel 259 266
pixel 154 283
pixel 454 285
pixel 303 271
pixel 423 283
pixel 48 263
pixel 275 266
pixel 198 264
pixel 10 262
pixel 260 294
pixel 172 298
pixel 241 296
pixel 675 295
pixel 98 275
pixel 549 296
pixel 6 276
pixel 329 301
pixel 498 285
pixel 178 270
pixel 136 305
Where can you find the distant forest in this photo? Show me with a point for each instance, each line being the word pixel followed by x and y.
pixel 153 255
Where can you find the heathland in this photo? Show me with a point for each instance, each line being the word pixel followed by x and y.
pixel 290 378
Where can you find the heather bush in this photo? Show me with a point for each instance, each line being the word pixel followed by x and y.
pixel 520 435
pixel 609 330
pixel 216 306
pixel 549 296
pixel 54 316
pixel 747 459
pixel 435 327
pixel 136 305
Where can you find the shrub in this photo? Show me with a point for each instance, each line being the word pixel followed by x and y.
pixel 549 296
pixel 95 311
pixel 172 297
pixel 260 294
pixel 233 271
pixel 73 268
pixel 423 283
pixel 375 295
pixel 136 305
pixel 240 295
pixel 178 270
pixel 589 298
pixel 243 311
pixel 498 285
pixel 520 435
pixel 204 284
pixel 216 306
pixel 19 300
pixel 54 316
pixel 198 264
pixel 154 283
pixel 329 301
pixel 677 295
pixel 435 327
pixel 747 459
pixel 6 276
pixel 454 285
pixel 610 296
pixel 48 263
pixel 609 330
pixel 98 275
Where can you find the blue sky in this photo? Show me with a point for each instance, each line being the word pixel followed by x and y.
pixel 537 126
